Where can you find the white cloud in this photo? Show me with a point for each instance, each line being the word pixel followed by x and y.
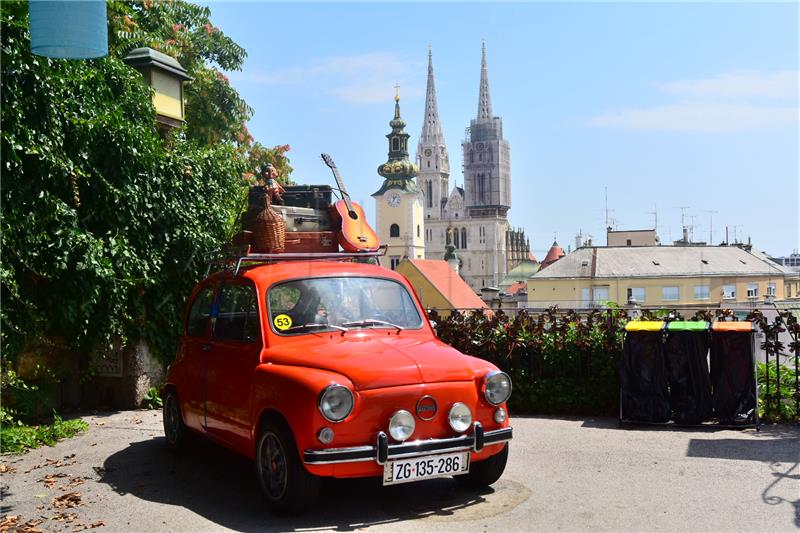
pixel 738 84
pixel 700 117
pixel 733 101
pixel 361 78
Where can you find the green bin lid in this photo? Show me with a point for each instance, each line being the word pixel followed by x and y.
pixel 688 325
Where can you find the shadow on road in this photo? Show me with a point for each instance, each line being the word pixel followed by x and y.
pixel 784 450
pixel 222 487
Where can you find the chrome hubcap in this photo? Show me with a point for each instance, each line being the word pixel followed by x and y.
pixel 272 466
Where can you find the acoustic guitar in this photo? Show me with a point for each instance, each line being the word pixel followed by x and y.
pixel 356 234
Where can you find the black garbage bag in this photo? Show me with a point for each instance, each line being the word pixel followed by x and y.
pixel 686 354
pixel 643 378
pixel 732 382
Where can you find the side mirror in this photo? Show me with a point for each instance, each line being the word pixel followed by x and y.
pixel 433 326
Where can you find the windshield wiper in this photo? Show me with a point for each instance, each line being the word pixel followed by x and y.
pixel 313 325
pixel 372 322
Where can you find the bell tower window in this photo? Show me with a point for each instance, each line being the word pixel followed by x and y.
pixel 394 230
pixel 395 143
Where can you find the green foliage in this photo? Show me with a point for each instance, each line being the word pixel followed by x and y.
pixel 560 363
pixel 104 227
pixel 17 437
pixel 152 399
pixel 780 403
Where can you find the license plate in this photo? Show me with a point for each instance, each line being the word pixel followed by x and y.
pixel 425 467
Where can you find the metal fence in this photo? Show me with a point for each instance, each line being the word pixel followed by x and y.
pixel 508 337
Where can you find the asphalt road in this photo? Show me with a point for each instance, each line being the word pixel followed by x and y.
pixel 563 474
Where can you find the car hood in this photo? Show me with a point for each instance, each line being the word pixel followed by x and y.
pixel 372 362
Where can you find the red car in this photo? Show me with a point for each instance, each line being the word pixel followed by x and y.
pixel 330 368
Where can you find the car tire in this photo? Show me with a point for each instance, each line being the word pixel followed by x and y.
pixel 175 431
pixel 484 473
pixel 288 488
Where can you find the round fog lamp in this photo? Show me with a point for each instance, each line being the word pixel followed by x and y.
pixel 401 425
pixel 497 387
pixel 500 416
pixel 460 417
pixel 325 435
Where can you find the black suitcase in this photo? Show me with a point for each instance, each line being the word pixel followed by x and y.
pixel 312 196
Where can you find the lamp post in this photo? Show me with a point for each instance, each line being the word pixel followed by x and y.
pixel 166 76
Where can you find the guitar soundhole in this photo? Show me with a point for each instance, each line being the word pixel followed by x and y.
pixel 353 215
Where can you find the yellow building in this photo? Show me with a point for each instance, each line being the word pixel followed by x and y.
pixel 663 276
pixel 399 214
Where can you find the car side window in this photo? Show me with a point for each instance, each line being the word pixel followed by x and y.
pixel 199 313
pixel 237 317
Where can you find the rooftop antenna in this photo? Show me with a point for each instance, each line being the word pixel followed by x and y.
pixel 683 209
pixel 736 233
pixel 710 225
pixel 654 212
pixel 691 226
pixel 605 189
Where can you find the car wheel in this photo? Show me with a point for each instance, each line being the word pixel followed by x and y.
pixel 286 484
pixel 175 430
pixel 484 473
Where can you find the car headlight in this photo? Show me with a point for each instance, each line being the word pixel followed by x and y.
pixel 401 425
pixel 335 402
pixel 460 417
pixel 497 387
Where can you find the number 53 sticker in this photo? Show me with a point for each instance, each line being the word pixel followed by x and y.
pixel 282 322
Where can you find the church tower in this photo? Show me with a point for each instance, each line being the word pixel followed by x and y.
pixel 487 165
pixel 398 203
pixel 432 158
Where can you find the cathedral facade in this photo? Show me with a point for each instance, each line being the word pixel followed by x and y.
pixel 473 219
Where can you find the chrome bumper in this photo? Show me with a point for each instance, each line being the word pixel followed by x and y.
pixel 383 451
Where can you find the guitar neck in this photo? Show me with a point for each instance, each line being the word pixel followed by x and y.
pixel 339 181
pixel 340 184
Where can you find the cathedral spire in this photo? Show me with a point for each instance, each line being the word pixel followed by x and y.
pixel 484 100
pixel 431 128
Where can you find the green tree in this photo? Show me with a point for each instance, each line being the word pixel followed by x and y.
pixel 105 228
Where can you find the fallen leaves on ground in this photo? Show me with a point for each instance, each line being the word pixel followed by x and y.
pixel 74 482
pixel 70 499
pixel 65 517
pixel 11 523
pixel 5 469
pixel 51 479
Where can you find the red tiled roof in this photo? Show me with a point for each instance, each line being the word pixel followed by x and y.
pixel 554 254
pixel 532 257
pixel 448 283
pixel 518 286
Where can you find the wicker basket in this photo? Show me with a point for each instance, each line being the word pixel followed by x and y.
pixel 269 231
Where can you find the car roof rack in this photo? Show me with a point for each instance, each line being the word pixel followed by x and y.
pixel 254 259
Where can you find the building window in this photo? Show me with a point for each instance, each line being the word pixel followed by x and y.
pixel 628 242
pixel 752 290
pixel 394 230
pixel 599 295
pixel 770 289
pixel 701 292
pixel 729 291
pixel 670 294
pixel 636 294
pixel 429 192
pixel 395 261
pixel 418 230
pixel 455 237
pixel 585 297
pixel 464 238
pixel 395 144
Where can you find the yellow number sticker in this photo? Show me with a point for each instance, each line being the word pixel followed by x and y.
pixel 282 322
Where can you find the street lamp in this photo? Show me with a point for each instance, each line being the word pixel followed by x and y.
pixel 166 76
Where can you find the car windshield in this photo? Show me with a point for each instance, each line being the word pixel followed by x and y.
pixel 318 304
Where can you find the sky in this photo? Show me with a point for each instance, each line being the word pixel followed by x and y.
pixel 655 106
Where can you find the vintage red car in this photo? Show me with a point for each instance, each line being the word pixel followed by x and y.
pixel 330 368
